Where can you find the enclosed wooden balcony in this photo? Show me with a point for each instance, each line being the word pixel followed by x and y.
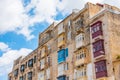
pixel 61 40
pixel 104 78
pixel 80 74
pixel 43 54
pixel 61 28
pixel 80 61
pixel 101 74
pixel 79 26
pixel 45 39
pixel 44 51
pixel 79 40
pixel 61 43
pixel 82 78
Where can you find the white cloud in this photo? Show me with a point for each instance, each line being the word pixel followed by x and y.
pixel 4 47
pixel 112 2
pixel 10 15
pixel 6 60
pixel 13 15
pixel 12 18
pixel 45 10
pixel 66 6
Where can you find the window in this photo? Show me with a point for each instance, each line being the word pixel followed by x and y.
pixel 43 50
pixel 98 48
pixel 34 59
pixel 30 76
pixel 62 55
pixel 96 29
pixel 41 75
pixel 16 73
pixel 42 63
pixel 49 48
pixel 79 24
pixel 61 38
pixel 39 53
pixel 21 78
pixel 9 78
pixel 48 73
pixel 80 55
pixel 69 24
pixel 69 35
pixel 24 77
pixel 30 63
pixel 26 65
pixel 62 68
pixel 80 73
pixel 60 28
pixel 48 59
pixel 66 66
pixel 63 77
pixel 101 69
pixel 22 68
pixel 100 66
pixel 67 78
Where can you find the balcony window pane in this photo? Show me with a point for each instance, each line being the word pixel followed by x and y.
pixel 98 48
pixel 60 28
pixel 101 69
pixel 96 29
pixel 42 63
pixel 79 40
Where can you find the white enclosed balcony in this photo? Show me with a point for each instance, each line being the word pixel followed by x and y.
pixel 79 40
pixel 61 28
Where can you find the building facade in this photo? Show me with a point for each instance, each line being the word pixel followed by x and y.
pixel 84 46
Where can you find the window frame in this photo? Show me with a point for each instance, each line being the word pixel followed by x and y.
pixel 101 69
pixel 98 46
pixel 94 29
pixel 30 74
pixel 22 68
pixel 16 72
pixel 30 63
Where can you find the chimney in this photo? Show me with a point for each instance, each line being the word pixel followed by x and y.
pixel 75 10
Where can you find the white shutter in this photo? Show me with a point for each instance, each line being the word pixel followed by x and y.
pixel 48 73
pixel 41 75
pixel 69 35
pixel 42 63
pixel 60 69
pixel 60 28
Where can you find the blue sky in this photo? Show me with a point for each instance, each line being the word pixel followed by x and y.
pixel 21 21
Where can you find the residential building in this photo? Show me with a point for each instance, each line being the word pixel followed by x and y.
pixel 83 46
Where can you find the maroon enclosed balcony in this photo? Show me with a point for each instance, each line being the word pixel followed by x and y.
pixel 101 69
pixel 96 29
pixel 101 74
pixel 98 48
